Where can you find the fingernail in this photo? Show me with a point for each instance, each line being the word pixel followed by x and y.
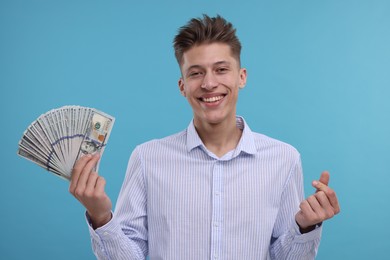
pixel 315 183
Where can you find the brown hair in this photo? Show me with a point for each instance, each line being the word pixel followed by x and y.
pixel 207 30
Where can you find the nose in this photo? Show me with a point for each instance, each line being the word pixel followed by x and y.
pixel 209 81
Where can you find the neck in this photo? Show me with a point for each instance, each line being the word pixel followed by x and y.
pixel 219 138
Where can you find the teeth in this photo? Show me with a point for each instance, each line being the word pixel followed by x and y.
pixel 212 99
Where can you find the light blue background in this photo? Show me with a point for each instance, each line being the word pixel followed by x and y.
pixel 318 79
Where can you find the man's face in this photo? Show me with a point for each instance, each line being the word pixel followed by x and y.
pixel 211 78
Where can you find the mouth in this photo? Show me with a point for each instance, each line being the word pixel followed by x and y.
pixel 212 99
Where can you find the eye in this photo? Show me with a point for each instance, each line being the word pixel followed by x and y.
pixel 222 70
pixel 193 74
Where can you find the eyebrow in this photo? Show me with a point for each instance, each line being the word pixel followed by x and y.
pixel 214 64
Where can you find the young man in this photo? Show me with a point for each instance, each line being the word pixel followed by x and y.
pixel 216 190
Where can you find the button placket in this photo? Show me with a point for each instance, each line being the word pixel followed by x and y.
pixel 216 233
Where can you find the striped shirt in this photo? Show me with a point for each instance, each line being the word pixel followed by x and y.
pixel 180 201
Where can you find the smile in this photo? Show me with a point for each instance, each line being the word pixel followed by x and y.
pixel 212 99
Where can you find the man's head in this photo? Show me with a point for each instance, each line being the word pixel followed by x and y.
pixel 206 31
pixel 208 52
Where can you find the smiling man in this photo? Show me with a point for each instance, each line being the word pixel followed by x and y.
pixel 216 190
pixel 211 79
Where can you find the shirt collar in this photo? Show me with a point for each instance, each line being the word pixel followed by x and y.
pixel 246 143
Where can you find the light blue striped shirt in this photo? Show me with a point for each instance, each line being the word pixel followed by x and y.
pixel 180 201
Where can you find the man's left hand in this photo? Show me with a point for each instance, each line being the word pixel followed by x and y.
pixel 320 206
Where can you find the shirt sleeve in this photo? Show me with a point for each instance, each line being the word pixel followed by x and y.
pixel 125 236
pixel 287 241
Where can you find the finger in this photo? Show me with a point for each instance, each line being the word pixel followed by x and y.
pixel 100 184
pixel 306 215
pixel 324 178
pixel 319 186
pixel 326 211
pixel 330 195
pixel 91 183
pixel 314 203
pixel 85 173
pixel 305 207
pixel 76 171
pixel 316 213
pixel 323 182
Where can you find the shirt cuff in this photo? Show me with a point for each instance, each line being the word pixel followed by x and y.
pixel 107 231
pixel 306 237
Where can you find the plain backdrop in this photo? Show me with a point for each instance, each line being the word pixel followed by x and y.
pixel 318 78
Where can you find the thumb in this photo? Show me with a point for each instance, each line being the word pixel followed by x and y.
pixel 324 178
pixel 323 181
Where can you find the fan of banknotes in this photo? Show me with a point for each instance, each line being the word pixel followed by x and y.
pixel 59 137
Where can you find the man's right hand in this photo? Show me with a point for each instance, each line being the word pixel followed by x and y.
pixel 88 187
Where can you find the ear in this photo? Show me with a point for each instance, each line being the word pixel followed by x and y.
pixel 181 87
pixel 243 75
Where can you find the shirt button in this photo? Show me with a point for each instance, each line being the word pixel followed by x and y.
pixel 105 233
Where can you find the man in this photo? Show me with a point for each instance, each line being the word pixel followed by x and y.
pixel 216 190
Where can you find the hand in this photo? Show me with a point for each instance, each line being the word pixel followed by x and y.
pixel 318 207
pixel 88 187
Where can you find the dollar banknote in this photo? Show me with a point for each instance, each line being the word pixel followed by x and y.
pixel 59 137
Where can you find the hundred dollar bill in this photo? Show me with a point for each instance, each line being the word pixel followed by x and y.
pixel 97 134
pixel 58 138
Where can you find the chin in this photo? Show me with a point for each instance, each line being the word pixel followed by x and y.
pixel 215 119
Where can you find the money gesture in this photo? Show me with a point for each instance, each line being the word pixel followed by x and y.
pixel 320 206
